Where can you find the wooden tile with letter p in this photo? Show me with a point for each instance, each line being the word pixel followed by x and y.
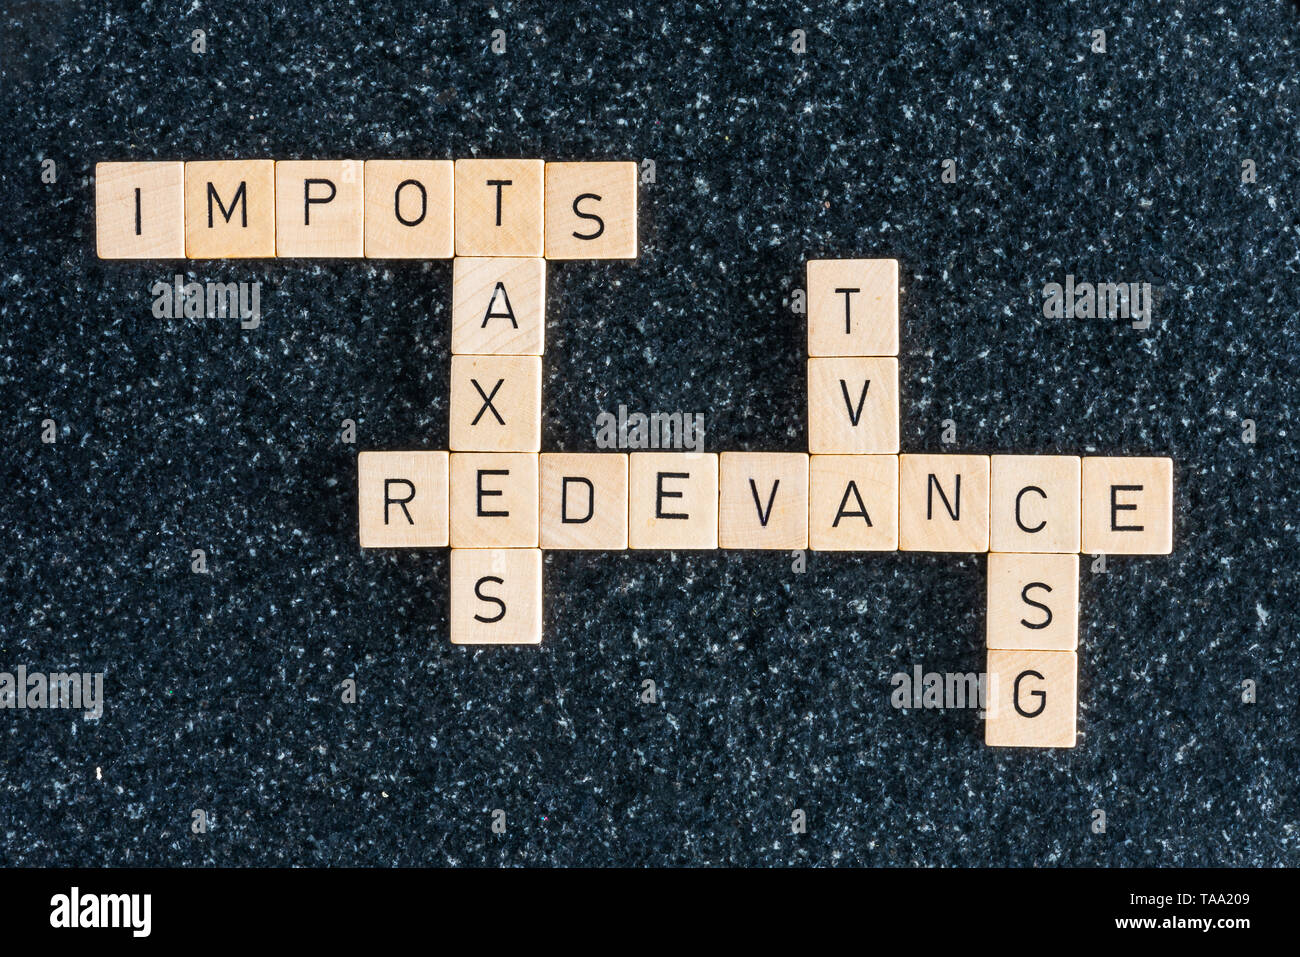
pixel 583 500
pixel 1033 602
pixel 409 209
pixel 319 208
pixel 853 406
pixel 1034 503
pixel 496 403
pixel 1128 506
pixel 672 500
pixel 1032 699
pixel 140 210
pixel 230 209
pixel 402 499
pixel 853 503
pixel 499 207
pixel 496 596
pixel 498 306
pixel 591 210
pixel 853 307
pixel 763 500
pixel 943 503
pixel 493 500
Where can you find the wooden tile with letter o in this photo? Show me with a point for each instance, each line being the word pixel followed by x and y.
pixel 496 403
pixel 1128 506
pixel 230 209
pixel 498 306
pixel 1032 699
pixel 763 500
pixel 1034 503
pixel 853 503
pixel 499 207
pixel 672 500
pixel 853 406
pixel 319 208
pixel 943 503
pixel 1033 602
pixel 402 499
pixel 853 307
pixel 496 596
pixel 583 500
pixel 493 500
pixel 409 209
pixel 140 210
pixel 591 210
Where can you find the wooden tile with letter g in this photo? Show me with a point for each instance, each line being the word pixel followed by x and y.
pixel 1033 602
pixel 409 209
pixel 943 503
pixel 319 208
pixel 493 500
pixel 584 500
pixel 853 503
pixel 672 500
pixel 496 596
pixel 853 406
pixel 1034 503
pixel 402 499
pixel 1032 699
pixel 499 207
pixel 853 307
pixel 496 403
pixel 1128 506
pixel 230 209
pixel 140 210
pixel 763 500
pixel 591 210
pixel 498 306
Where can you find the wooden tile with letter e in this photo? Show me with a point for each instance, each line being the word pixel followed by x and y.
pixel 319 208
pixel 496 403
pixel 1034 503
pixel 763 500
pixel 1128 506
pixel 584 500
pixel 1033 602
pixel 230 209
pixel 493 500
pixel 402 499
pixel 591 210
pixel 943 503
pixel 1032 699
pixel 672 500
pixel 853 406
pixel 853 307
pixel 853 503
pixel 409 209
pixel 498 306
pixel 496 596
pixel 140 210
pixel 499 207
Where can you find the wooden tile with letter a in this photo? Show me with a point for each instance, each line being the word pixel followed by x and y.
pixel 496 596
pixel 498 306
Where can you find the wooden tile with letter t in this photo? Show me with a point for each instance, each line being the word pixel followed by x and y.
pixel 1033 602
pixel 943 503
pixel 1034 503
pixel 498 306
pixel 853 307
pixel 230 209
pixel 402 499
pixel 409 209
pixel 499 207
pixel 319 208
pixel 1032 699
pixel 1128 506
pixel 493 500
pixel 496 596
pixel 140 210
pixel 763 500
pixel 591 210
pixel 583 500
pixel 496 403
pixel 853 406
pixel 672 500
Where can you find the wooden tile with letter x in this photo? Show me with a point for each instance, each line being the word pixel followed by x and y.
pixel 583 500
pixel 672 500
pixel 591 210
pixel 763 500
pixel 1034 503
pixel 496 403
pixel 499 207
pixel 853 406
pixel 1032 699
pixel 230 209
pixel 319 208
pixel 498 306
pixel 853 307
pixel 496 596
pixel 1033 602
pixel 853 503
pixel 1128 506
pixel 409 209
pixel 943 503
pixel 402 499
pixel 493 500
pixel 140 210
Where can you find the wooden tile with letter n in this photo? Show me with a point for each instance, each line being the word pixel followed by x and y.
pixel 496 403
pixel 1032 699
pixel 1034 503
pixel 672 500
pixel 591 210
pixel 493 500
pixel 583 500
pixel 498 306
pixel 409 209
pixel 496 596
pixel 943 503
pixel 853 503
pixel 853 307
pixel 140 210
pixel 1033 602
pixel 763 500
pixel 1128 506
pixel 319 208
pixel 499 207
pixel 853 406
pixel 230 209
pixel 402 499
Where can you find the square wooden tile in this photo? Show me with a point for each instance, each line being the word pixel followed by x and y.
pixel 493 500
pixel 853 503
pixel 496 403
pixel 1034 503
pixel 498 306
pixel 853 307
pixel 409 209
pixel 1032 699
pixel 319 208
pixel 853 406
pixel 499 207
pixel 230 209
pixel 591 210
pixel 672 500
pixel 584 500
pixel 402 499
pixel 1128 506
pixel 1033 602
pixel 496 596
pixel 140 210
pixel 943 503
pixel 763 500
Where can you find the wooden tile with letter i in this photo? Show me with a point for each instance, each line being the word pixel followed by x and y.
pixel 943 503
pixel 499 207
pixel 496 596
pixel 402 499
pixel 853 406
pixel 1128 506
pixel 230 209
pixel 140 210
pixel 763 500
pixel 583 500
pixel 409 209
pixel 1033 602
pixel 591 210
pixel 319 208
pixel 672 500
pixel 1034 503
pixel 853 307
pixel 498 306
pixel 853 503
pixel 1032 699
pixel 496 403
pixel 493 500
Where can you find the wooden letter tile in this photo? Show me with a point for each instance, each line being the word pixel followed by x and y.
pixel 591 210
pixel 499 207
pixel 1033 602
pixel 498 306
pixel 493 500
pixel 496 596
pixel 853 503
pixel 140 210
pixel 853 406
pixel 584 500
pixel 673 500
pixel 1034 503
pixel 943 503
pixel 402 499
pixel 230 209
pixel 763 500
pixel 853 307
pixel 496 403
pixel 1128 506
pixel 1032 699
pixel 319 208
pixel 409 209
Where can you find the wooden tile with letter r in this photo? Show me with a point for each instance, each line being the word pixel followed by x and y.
pixel 230 209
pixel 402 499
pixel 1034 503
pixel 1033 602
pixel 319 208
pixel 498 306
pixel 1032 699
pixel 591 210
pixel 140 210
pixel 853 307
pixel 499 207
pixel 493 500
pixel 409 209
pixel 672 500
pixel 853 406
pixel 584 500
pixel 496 596
pixel 853 503
pixel 1128 505
pixel 763 500
pixel 943 503
pixel 496 403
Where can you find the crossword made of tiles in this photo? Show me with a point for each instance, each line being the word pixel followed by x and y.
pixel 497 500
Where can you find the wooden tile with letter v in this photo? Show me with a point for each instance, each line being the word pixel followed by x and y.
pixel 409 209
pixel 319 208
pixel 1033 602
pixel 1032 699
pixel 1128 505
pixel 853 406
pixel 853 307
pixel 853 503
pixel 1034 503
pixel 496 403
pixel 499 207
pixel 583 500
pixel 943 503
pixel 493 500
pixel 402 499
pixel 763 500
pixel 496 596
pixel 230 209
pixel 591 210
pixel 672 500
pixel 140 210
pixel 498 306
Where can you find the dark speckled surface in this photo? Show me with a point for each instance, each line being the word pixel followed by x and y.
pixel 223 691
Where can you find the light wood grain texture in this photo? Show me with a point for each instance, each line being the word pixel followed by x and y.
pixel 496 403
pixel 672 500
pixel 943 503
pixel 319 208
pixel 853 503
pixel 853 406
pixel 409 209
pixel 763 500
pixel 499 207
pixel 591 211
pixel 1034 503
pixel 493 500
pixel 230 209
pixel 1033 602
pixel 584 500
pixel 498 306
pixel 1043 686
pixel 140 210
pixel 402 499
pixel 853 307
pixel 496 596
pixel 1128 506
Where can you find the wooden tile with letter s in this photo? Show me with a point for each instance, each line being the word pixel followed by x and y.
pixel 591 210
pixel 1033 602
pixel 496 596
